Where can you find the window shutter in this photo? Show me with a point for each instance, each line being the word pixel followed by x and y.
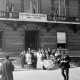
pixel 3 5
pixel 79 8
pixel 73 8
pixel 52 5
pixel 67 7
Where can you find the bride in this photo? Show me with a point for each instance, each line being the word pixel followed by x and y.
pixel 39 60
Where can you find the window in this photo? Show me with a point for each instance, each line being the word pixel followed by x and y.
pixel 34 6
pixel 61 39
pixel 10 7
pixel 59 6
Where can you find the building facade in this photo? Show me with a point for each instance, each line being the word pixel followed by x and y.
pixel 57 26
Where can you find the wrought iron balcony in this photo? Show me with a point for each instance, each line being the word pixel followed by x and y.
pixel 62 18
pixel 13 15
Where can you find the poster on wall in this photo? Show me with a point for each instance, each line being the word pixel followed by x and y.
pixel 61 37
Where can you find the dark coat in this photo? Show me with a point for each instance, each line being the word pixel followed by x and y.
pixel 22 56
pixel 64 63
pixel 6 69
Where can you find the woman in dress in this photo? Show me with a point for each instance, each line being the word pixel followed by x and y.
pixel 39 60
pixel 29 59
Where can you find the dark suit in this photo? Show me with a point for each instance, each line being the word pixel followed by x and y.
pixel 64 64
pixel 34 61
pixel 22 56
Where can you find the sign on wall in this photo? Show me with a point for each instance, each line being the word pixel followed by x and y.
pixel 61 37
pixel 32 17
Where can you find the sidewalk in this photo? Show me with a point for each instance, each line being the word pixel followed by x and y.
pixel 19 68
pixel 46 74
pixel 17 64
pixel 24 74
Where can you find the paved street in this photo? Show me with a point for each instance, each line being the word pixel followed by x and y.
pixel 45 74
pixel 24 74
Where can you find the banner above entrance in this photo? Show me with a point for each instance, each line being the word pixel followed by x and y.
pixel 32 17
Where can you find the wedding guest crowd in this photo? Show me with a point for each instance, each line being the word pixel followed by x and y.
pixel 41 59
pixel 34 59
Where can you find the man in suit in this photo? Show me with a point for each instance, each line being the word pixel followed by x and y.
pixel 6 69
pixel 64 64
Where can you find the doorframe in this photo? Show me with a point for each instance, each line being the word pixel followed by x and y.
pixel 2 40
pixel 38 41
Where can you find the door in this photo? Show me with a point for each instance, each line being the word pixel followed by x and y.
pixel 31 39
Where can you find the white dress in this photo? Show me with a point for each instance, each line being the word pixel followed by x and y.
pixel 39 60
pixel 28 58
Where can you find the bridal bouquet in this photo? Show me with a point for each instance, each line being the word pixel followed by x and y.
pixel 48 64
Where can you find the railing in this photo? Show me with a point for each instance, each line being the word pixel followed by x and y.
pixel 15 15
pixel 62 18
pixel 4 14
